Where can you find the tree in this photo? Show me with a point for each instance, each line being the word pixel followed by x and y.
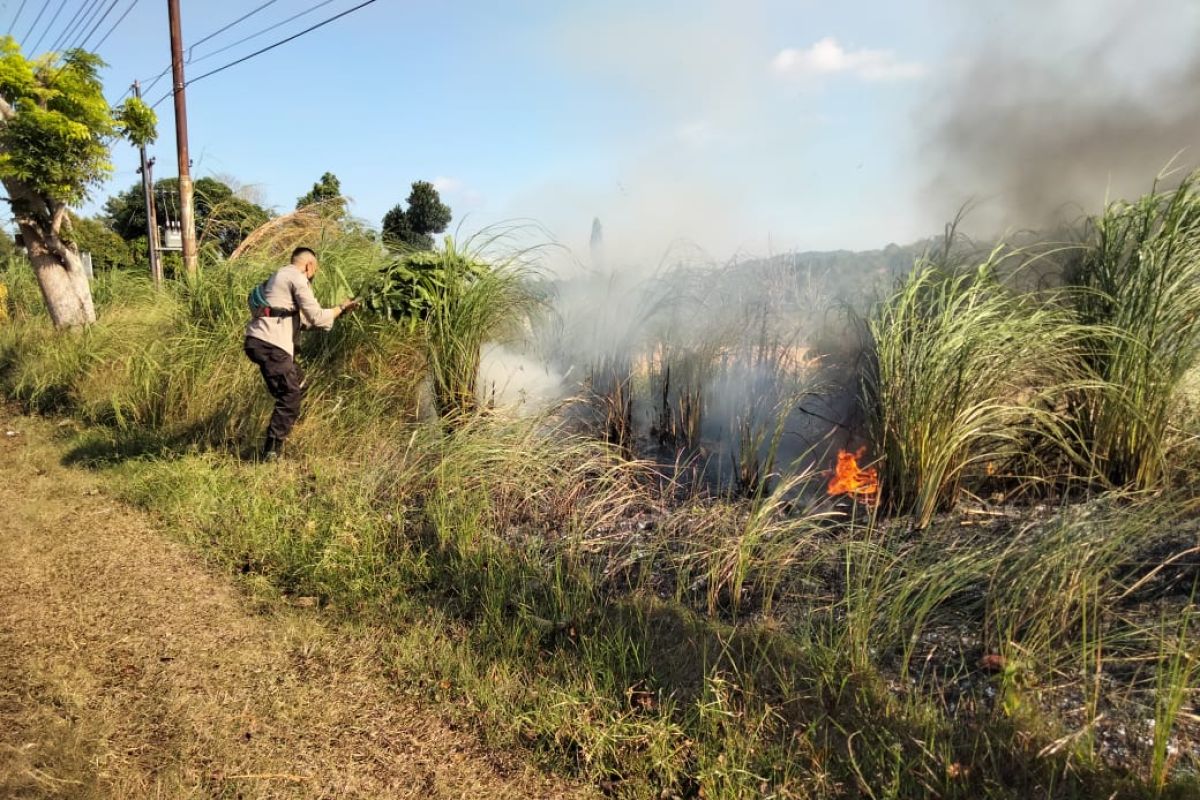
pixel 426 214
pixel 326 194
pixel 223 219
pixel 55 133
pixel 109 251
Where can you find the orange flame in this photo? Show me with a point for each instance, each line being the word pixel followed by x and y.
pixel 848 478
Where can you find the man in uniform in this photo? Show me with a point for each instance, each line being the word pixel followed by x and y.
pixel 279 308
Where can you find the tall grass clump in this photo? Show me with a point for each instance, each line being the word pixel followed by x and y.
pixel 1138 289
pixel 963 380
pixel 467 315
pixel 457 299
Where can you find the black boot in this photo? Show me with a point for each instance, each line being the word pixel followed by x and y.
pixel 272 449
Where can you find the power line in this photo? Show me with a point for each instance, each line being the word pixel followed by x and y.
pixel 81 41
pixel 255 35
pixel 84 10
pixel 17 17
pixel 293 37
pixel 152 82
pixel 92 7
pixel 269 47
pixel 157 78
pixel 36 20
pixel 219 31
pixel 100 22
pixel 70 23
pixel 121 19
pixel 61 7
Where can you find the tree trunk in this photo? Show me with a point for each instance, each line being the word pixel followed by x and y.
pixel 62 279
pixel 56 262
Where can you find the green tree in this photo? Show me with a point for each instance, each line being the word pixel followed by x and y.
pixel 326 194
pixel 223 219
pixel 55 134
pixel 426 214
pixel 109 251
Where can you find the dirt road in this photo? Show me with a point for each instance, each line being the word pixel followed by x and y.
pixel 129 669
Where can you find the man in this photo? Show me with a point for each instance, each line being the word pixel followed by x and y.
pixel 279 308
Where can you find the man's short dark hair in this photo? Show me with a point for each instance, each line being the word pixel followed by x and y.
pixel 299 251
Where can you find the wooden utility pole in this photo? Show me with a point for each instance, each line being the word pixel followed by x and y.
pixel 148 192
pixel 186 216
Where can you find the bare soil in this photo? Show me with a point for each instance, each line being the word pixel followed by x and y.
pixel 130 669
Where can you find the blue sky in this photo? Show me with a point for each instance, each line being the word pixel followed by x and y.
pixel 753 127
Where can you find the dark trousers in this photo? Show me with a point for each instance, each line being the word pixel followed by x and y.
pixel 285 382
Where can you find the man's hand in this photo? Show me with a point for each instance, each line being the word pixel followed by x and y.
pixel 350 305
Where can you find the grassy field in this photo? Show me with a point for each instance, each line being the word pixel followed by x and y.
pixel 1012 617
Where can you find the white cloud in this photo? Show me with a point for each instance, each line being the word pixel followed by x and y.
pixel 828 57
pixel 445 184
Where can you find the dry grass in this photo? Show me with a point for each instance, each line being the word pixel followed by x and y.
pixel 277 238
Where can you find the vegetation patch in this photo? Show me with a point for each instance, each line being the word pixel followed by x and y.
pixel 1004 617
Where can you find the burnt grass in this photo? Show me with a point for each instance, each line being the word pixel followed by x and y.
pixel 1095 726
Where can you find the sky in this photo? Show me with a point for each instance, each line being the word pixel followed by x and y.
pixel 736 128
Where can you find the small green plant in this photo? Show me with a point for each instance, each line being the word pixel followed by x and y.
pixel 1175 679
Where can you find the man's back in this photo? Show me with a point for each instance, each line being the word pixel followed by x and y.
pixel 288 288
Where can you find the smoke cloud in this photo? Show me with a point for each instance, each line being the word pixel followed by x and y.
pixel 1046 109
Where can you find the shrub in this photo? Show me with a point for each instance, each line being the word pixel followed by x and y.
pixel 460 302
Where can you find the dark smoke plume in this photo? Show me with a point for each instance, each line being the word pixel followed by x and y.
pixel 1047 114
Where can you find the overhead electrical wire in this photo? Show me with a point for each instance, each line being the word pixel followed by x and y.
pixel 157 78
pixel 88 15
pixel 85 10
pixel 82 40
pixel 61 7
pixel 256 34
pixel 293 37
pixel 152 82
pixel 266 49
pixel 36 20
pixel 12 24
pixel 70 23
pixel 219 31
pixel 116 24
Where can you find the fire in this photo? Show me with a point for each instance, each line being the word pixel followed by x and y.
pixel 849 478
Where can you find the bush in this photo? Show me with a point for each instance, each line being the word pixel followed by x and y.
pixel 459 302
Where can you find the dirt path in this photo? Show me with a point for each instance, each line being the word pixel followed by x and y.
pixel 128 669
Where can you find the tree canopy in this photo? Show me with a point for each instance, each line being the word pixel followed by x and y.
pixel 327 194
pixel 56 130
pixel 109 251
pixel 223 219
pixel 58 124
pixel 413 226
